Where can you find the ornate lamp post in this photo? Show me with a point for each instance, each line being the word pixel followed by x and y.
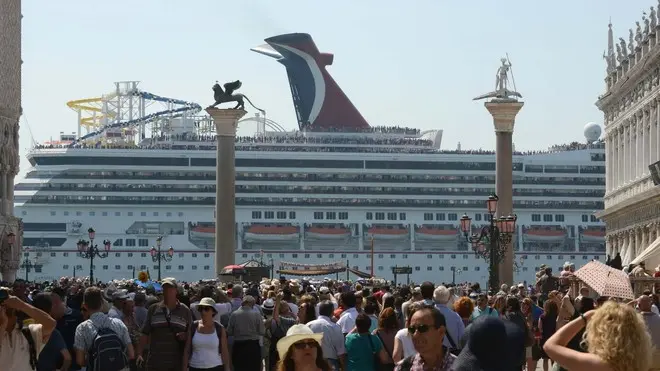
pixel 493 240
pixel 517 265
pixel 90 251
pixel 27 264
pixel 158 256
pixel 454 272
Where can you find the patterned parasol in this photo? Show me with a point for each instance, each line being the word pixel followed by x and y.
pixel 605 280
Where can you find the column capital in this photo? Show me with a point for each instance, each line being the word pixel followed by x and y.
pixel 225 120
pixel 504 114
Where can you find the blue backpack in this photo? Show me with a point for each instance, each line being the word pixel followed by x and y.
pixel 108 352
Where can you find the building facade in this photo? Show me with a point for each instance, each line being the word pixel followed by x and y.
pixel 10 113
pixel 631 108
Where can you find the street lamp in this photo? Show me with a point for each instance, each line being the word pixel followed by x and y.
pixel 88 250
pixel 158 256
pixel 455 271
pixel 517 267
pixel 492 242
pixel 27 264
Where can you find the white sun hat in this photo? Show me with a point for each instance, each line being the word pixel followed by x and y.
pixel 295 334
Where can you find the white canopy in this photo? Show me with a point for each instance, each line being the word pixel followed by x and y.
pixel 650 256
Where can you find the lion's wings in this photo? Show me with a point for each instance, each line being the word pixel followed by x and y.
pixel 230 87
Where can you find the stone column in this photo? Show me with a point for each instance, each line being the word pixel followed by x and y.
pixel 10 113
pixel 652 142
pixel 622 155
pixel 645 142
pixel 657 129
pixel 226 121
pixel 3 192
pixel 636 146
pixel 617 159
pixel 645 240
pixel 504 118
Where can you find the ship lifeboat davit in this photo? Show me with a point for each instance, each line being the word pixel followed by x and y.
pixel 380 233
pixel 544 235
pixel 202 232
pixel 593 235
pixel 436 234
pixel 323 233
pixel 271 233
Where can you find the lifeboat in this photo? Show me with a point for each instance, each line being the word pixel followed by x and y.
pixel 436 234
pixel 325 233
pixel 544 235
pixel 387 233
pixel 202 232
pixel 593 235
pixel 271 233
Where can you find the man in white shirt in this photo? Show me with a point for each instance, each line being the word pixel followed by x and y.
pixel 334 350
pixel 348 316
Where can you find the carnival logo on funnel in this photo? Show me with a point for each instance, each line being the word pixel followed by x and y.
pixel 318 100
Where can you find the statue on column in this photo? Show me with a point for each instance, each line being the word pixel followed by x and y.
pixel 502 83
pixel 619 55
pixel 227 95
pixel 646 26
pixel 638 35
pixel 654 19
pixel 622 48
pixel 631 45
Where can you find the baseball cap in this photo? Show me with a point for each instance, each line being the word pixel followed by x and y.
pixel 168 281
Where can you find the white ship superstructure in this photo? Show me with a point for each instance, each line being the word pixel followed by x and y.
pixel 319 195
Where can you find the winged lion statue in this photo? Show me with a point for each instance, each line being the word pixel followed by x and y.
pixel 227 95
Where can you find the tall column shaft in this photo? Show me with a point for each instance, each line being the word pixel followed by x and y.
pixel 504 117
pixel 10 113
pixel 226 121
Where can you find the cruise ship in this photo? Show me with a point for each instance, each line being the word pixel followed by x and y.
pixel 332 192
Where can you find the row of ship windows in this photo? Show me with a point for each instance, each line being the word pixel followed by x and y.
pixel 38 269
pixel 310 177
pixel 343 215
pixel 243 189
pixel 105 213
pixel 117 254
pixel 300 201
pixel 428 256
pixel 332 255
pixel 315 164
pixel 458 270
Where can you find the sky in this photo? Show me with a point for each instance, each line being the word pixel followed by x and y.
pixel 416 63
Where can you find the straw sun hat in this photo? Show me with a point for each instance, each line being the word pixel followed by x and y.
pixel 295 334
pixel 208 302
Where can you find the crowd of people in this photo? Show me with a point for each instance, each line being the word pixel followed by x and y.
pixel 283 325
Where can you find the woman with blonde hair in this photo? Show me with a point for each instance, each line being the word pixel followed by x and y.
pixel 616 339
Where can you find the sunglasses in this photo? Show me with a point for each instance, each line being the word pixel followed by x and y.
pixel 305 344
pixel 419 328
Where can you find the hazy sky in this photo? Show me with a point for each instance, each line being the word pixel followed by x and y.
pixel 417 63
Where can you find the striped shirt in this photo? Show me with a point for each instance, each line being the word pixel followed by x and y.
pixel 165 350
pixel 87 330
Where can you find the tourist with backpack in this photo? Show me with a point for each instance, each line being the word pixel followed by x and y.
pixel 208 340
pixel 101 343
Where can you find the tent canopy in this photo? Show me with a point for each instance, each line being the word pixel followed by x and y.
pixel 650 256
